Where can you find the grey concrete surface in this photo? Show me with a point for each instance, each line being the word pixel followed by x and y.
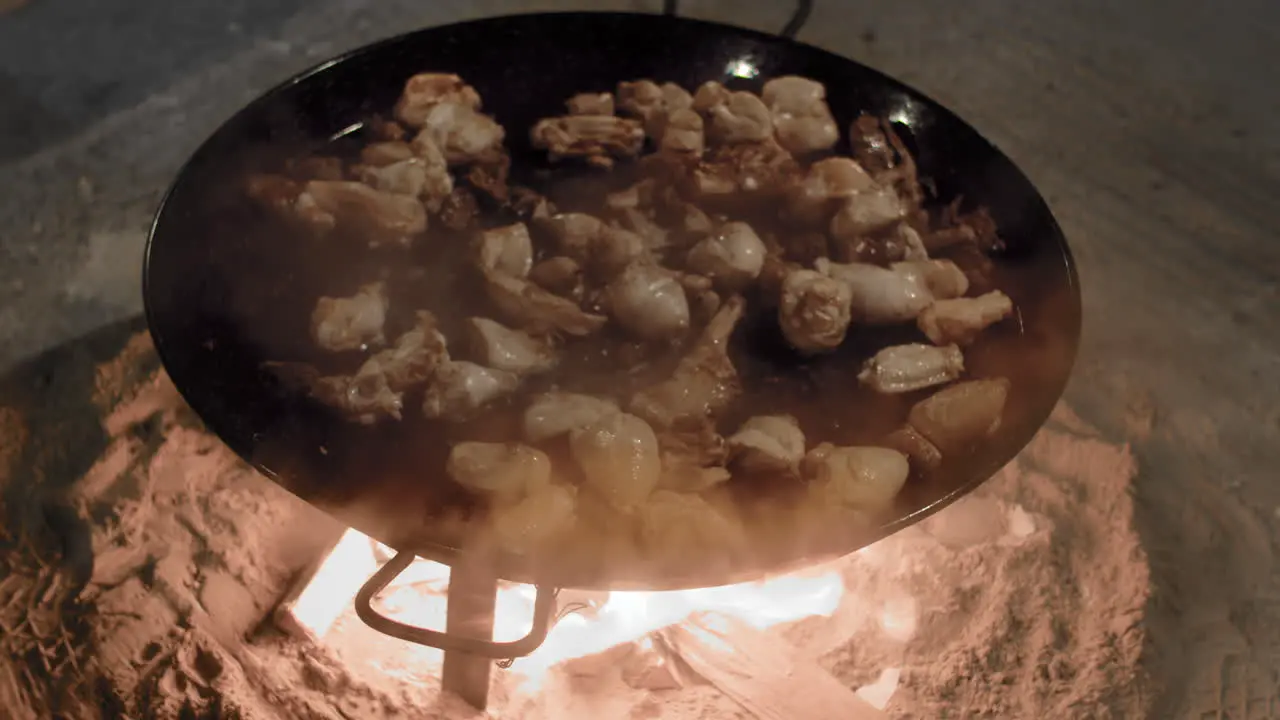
pixel 1150 126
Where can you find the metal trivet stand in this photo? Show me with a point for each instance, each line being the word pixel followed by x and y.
pixel 467 641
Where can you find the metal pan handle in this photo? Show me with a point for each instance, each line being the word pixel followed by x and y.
pixel 543 608
pixel 789 31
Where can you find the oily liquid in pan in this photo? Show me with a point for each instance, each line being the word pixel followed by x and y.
pixel 255 291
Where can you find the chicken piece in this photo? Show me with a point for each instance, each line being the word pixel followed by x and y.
pixel 413 358
pixel 652 236
pixel 536 310
pixel 599 138
pixel 801 119
pixel 553 414
pixel 704 381
pixel 768 443
pixel 315 168
pixel 956 417
pixel 654 104
pixel 618 456
pixel 911 367
pixel 672 524
pixel 459 210
pixel 275 192
pixel 865 212
pixel 814 311
pixel 507 250
pixel 573 234
pixel 425 91
pixel 590 104
pixel 546 512
pixel 866 478
pixel 502 348
pixel 683 133
pixel 738 117
pixel 709 96
pixel 504 470
pixel 923 455
pixel 958 321
pixel 461 134
pixel 815 198
pixel 413 177
pixel 649 303
pixel 382 154
pixel 379 216
pixel 490 176
pixel 560 275
pixel 350 323
pixel 745 168
pixel 698 445
pixel 733 257
pixel 880 296
pixel 943 278
pixel 363 397
pixel 459 389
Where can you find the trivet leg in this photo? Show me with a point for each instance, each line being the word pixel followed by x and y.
pixel 473 597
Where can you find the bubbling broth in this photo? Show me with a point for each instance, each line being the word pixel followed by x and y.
pixel 701 330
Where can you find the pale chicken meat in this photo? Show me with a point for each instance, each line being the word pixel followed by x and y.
pixel 424 91
pixel 672 524
pixel 502 348
pixel 682 133
pixel 560 275
pixel 655 105
pixel 960 415
pixel 507 250
pixel 536 310
pixel 801 119
pixel 705 380
pixel 880 296
pixel 460 389
pixel 863 478
pixel 814 311
pixel 350 323
pixel 911 367
pixel 942 278
pixel 554 414
pixel 414 356
pixel 732 257
pixel 505 470
pixel 604 249
pixel 649 302
pixel 545 513
pixel 619 459
pixel 733 117
pixel 590 104
pixel 768 443
pixel 461 134
pixel 960 320
pixel 865 212
pixel 363 397
pixel 424 174
pixel 377 216
pixel 693 458
pixel 814 200
pixel 598 138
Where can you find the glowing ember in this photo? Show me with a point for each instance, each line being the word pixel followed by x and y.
pixel 418 597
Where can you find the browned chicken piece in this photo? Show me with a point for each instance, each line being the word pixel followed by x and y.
pixel 507 250
pixel 461 134
pixel 554 414
pixel 818 195
pixel 598 138
pixel 924 455
pixel 705 380
pixel 459 211
pixel 682 133
pixel 943 278
pixel 654 104
pixel 591 104
pixel 619 458
pixel 385 130
pixel 879 149
pixel 733 117
pixel 536 310
pixel 960 320
pixel 801 119
pixel 502 348
pixel 768 443
pixel 866 212
pixel 864 478
pixel 956 417
pixel 459 390
pixel 502 470
pixel 732 257
pixel 382 154
pixel 814 311
pixel 414 357
pixel 364 398
pixel 744 168
pixel 881 296
pixel 649 302
pixel 911 367
pixel 560 275
pixel 350 323
pixel 382 217
pixel 490 177
pixel 410 177
pixel 693 459
pixel 425 91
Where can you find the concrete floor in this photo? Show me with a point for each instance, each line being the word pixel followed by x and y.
pixel 1151 127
